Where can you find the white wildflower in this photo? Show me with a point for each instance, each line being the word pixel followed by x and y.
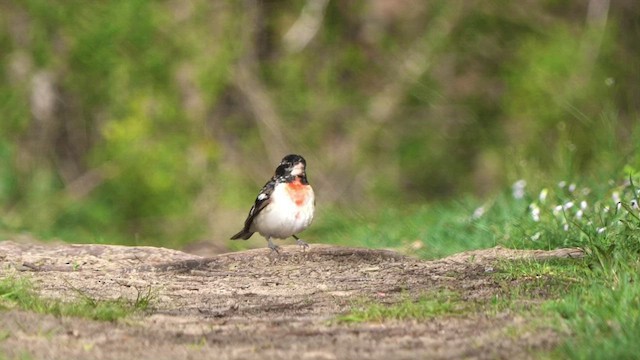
pixel 600 230
pixel 536 236
pixel 579 214
pixel 583 205
pixel 562 184
pixel 518 188
pixel 572 187
pixel 566 227
pixel 615 196
pixel 477 213
pixel 557 210
pixel 568 205
pixel 535 212
pixel 543 195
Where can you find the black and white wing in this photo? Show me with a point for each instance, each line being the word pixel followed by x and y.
pixel 262 200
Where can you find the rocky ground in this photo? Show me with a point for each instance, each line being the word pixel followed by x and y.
pixel 253 305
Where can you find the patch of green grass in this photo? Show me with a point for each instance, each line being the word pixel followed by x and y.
pixel 425 307
pixel 429 231
pixel 564 269
pixel 603 320
pixel 528 285
pixel 22 356
pixel 18 292
pixel 544 279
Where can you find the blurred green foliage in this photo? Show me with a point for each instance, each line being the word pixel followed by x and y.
pixel 155 122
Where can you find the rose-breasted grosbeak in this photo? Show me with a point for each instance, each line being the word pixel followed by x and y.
pixel 284 206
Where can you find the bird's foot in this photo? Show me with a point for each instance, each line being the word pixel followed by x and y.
pixel 302 244
pixel 274 248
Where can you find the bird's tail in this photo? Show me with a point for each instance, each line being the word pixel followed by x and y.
pixel 244 234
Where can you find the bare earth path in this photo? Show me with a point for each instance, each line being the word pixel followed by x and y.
pixel 249 305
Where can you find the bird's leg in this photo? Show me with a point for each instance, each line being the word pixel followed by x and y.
pixel 301 243
pixel 272 246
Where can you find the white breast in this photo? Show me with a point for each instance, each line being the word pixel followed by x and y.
pixel 283 217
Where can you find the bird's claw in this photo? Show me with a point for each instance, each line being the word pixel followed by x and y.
pixel 274 248
pixel 302 244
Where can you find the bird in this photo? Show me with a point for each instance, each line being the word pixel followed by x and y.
pixel 284 207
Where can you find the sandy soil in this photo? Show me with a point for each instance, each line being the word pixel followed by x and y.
pixel 252 305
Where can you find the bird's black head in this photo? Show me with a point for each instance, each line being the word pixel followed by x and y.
pixel 291 166
pixel 293 159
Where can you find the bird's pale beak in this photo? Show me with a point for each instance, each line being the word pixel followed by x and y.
pixel 298 169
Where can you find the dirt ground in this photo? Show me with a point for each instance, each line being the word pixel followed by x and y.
pixel 252 305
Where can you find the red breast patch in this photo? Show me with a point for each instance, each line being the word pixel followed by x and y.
pixel 297 191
